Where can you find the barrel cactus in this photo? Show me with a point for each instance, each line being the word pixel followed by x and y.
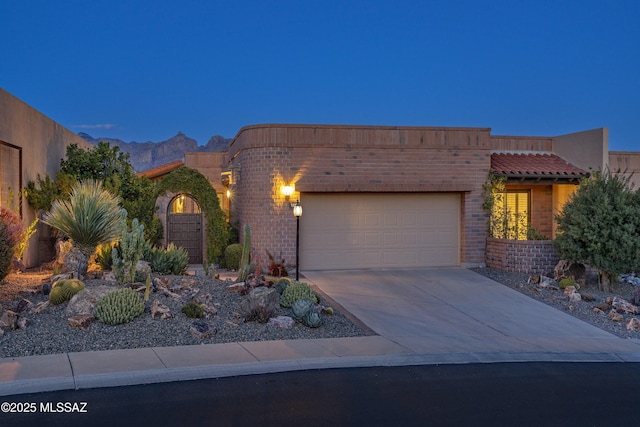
pixel 119 306
pixel 295 291
pixel 64 290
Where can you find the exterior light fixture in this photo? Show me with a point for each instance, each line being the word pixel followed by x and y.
pixel 228 194
pixel 287 190
pixel 297 212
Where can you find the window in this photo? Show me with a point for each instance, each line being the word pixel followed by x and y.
pixel 511 215
pixel 10 176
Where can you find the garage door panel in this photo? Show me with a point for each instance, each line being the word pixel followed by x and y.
pixel 342 231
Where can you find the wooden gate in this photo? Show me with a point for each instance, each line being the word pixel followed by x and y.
pixel 185 230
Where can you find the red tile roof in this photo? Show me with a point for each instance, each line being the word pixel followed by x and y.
pixel 161 170
pixel 534 166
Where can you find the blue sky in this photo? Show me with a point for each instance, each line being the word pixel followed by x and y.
pixel 144 70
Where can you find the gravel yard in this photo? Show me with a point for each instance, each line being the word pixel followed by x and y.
pixel 582 309
pixel 48 331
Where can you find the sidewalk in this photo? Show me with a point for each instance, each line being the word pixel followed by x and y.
pixel 464 338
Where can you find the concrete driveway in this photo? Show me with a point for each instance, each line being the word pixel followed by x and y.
pixel 454 310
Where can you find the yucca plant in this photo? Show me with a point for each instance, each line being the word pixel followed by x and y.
pixel 92 216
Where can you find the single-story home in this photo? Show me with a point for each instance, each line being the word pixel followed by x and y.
pixel 371 196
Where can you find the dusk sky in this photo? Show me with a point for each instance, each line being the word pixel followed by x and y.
pixel 145 70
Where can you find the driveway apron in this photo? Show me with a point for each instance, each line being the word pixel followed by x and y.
pixel 455 310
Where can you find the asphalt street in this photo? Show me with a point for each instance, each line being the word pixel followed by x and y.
pixel 498 394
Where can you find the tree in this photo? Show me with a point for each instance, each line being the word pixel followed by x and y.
pixel 600 225
pixel 110 166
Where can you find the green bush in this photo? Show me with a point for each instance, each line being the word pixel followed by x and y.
pixel 193 310
pixel 6 251
pixel 103 256
pixel 173 260
pixel 600 225
pixel 567 281
pixel 232 256
pixel 295 291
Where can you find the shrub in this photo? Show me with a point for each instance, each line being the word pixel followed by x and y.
pixel 103 256
pixel 295 291
pixel 567 281
pixel 173 260
pixel 600 225
pixel 193 310
pixel 232 256
pixel 6 251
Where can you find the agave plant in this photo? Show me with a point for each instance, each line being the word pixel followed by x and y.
pixel 92 216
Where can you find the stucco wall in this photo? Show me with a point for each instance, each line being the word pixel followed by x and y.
pixel 43 143
pixel 355 159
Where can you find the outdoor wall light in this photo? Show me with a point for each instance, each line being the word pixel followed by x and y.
pixel 287 190
pixel 228 194
pixel 297 209
pixel 297 212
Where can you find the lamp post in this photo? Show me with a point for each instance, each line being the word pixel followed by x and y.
pixel 297 212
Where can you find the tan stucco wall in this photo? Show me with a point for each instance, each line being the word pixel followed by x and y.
pixel 43 142
pixel 588 149
pixel 628 163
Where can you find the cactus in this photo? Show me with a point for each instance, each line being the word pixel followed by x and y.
pixel 193 310
pixel 119 306
pixel 300 308
pixel 295 291
pixel 173 260
pixel 282 284
pixel 312 319
pixel 243 269
pixel 64 290
pixel 131 249
pixel 147 288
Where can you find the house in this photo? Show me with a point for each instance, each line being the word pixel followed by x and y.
pixel 372 196
pixel 30 144
pixel 396 197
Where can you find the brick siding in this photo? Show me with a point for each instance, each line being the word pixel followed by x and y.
pixel 521 256
pixel 338 159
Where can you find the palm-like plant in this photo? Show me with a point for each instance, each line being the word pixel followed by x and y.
pixel 90 217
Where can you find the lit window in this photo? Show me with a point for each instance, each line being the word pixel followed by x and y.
pixel 510 219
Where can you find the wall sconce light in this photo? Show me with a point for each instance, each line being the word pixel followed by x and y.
pixel 287 190
pixel 297 209
pixel 228 194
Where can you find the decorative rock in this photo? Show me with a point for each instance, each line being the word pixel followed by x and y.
pixel 22 322
pixel 84 302
pixel 570 290
pixel 615 316
pixel 575 297
pixel 23 305
pixel 588 297
pixel 597 310
pixel 63 276
pixel 46 288
pixel 570 269
pixel 603 306
pixel 39 307
pixel 624 306
pixel 633 324
pixel 284 322
pixel 8 320
pixel 533 279
pixel 160 311
pixel 81 321
pixel 188 282
pixel 143 269
pixel 547 283
pixel 236 287
pixel 201 330
pixel 204 298
pixel 109 276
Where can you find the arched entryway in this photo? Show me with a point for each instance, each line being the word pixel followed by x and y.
pixel 185 226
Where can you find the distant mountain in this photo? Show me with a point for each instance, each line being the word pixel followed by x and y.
pixel 147 155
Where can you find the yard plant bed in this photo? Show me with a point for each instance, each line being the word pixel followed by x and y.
pixel 48 332
pixel 582 310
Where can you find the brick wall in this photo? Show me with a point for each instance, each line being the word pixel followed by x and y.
pixel 340 159
pixel 521 256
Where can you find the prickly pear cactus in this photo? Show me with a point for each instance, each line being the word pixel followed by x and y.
pixel 295 291
pixel 300 308
pixel 64 290
pixel 119 306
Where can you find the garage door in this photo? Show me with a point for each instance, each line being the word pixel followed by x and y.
pixel 345 231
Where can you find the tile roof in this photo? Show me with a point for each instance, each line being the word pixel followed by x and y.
pixel 161 170
pixel 534 166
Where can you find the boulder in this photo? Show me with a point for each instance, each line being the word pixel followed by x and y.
pixel 236 287
pixel 24 305
pixel 39 307
pixel 575 297
pixel 570 290
pixel 597 310
pixel 22 322
pixel 84 302
pixel 81 321
pixel 8 320
pixel 633 324
pixel 570 269
pixel 143 269
pixel 160 311
pixel 201 330
pixel 623 305
pixel 284 322
pixel 615 316
pixel 265 298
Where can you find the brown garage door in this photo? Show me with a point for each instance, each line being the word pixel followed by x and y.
pixel 345 231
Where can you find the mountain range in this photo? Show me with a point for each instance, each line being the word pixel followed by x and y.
pixel 148 155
